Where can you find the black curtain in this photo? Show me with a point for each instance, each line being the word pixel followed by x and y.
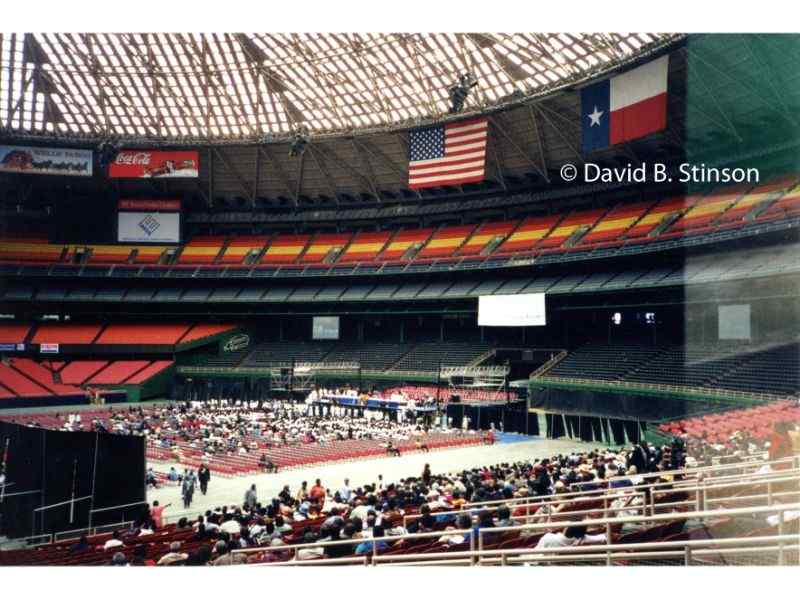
pixel 60 465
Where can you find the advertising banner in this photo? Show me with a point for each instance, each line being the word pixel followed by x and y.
pixel 148 205
pixel 137 164
pixel 48 348
pixel 46 161
pixel 149 227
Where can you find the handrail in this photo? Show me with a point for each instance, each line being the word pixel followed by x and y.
pixel 708 393
pixel 607 522
pixel 549 364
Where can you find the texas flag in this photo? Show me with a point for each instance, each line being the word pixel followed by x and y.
pixel 625 107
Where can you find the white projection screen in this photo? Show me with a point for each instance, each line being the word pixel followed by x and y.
pixel 149 227
pixel 325 328
pixel 511 310
pixel 734 322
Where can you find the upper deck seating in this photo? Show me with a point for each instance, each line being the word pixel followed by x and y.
pixel 446 241
pixel 65 333
pixel 285 249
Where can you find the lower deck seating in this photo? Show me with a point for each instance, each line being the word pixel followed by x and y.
pixel 772 369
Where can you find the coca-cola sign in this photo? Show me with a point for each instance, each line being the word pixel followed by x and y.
pixel 154 163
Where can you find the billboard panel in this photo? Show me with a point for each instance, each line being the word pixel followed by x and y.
pixel 46 161
pixel 137 164
pixel 149 227
pixel 511 310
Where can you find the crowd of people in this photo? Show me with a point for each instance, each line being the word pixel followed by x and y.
pixel 372 514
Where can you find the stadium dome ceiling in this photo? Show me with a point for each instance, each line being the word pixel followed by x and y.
pixel 233 86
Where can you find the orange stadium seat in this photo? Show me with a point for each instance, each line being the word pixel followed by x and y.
pixel 30 250
pixel 655 216
pixel 529 234
pixel 240 246
pixel 155 368
pixel 77 372
pixel 201 250
pixel 616 223
pixel 13 333
pixel 787 205
pixel 65 333
pixel 365 246
pixel 562 232
pixel 483 236
pixel 129 333
pixel 404 240
pixel 198 332
pixel 118 372
pixel 754 197
pixel 321 245
pixel 285 249
pixel 446 241
pixel 707 209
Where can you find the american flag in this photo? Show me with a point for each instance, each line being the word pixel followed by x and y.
pixel 449 154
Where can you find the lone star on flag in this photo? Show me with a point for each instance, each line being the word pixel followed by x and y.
pixel 594 117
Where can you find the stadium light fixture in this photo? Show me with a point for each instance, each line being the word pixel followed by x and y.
pixel 299 142
pixel 459 92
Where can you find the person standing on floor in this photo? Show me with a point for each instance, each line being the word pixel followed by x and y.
pixel 203 476
pixel 187 489
pixel 250 497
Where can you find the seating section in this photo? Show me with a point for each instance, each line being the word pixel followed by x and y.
pixel 573 224
pixel 529 234
pixel 33 249
pixel 706 209
pixel 717 428
pixel 615 224
pixel 403 241
pixel 240 246
pixel 78 372
pixel 371 357
pixel 65 333
pixel 129 333
pixel 365 246
pixel 484 236
pixel 13 333
pixel 427 357
pixel 604 362
pixel 285 249
pixel 323 245
pixel 201 250
pixel 118 372
pixel 156 367
pixel 198 332
pixel 645 226
pixel 20 385
pixel 446 241
pixel 761 194
pixel 42 376
pixel 769 369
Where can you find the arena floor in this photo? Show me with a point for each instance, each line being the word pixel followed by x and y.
pixel 231 490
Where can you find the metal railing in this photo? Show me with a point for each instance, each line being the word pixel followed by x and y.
pixel 702 393
pixel 604 553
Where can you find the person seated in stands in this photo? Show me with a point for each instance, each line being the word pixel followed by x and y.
pixel 174 556
pixel 114 542
pixel 571 536
pixel 464 521
pixel 119 560
pixel 378 541
pixel 82 545
pixel 504 517
pixel 140 557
